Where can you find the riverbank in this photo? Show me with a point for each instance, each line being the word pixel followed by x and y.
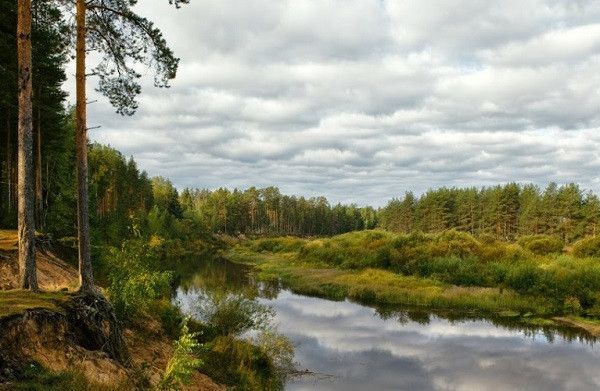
pixel 345 345
pixel 39 343
pixel 452 271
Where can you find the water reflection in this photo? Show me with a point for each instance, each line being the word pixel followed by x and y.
pixel 390 349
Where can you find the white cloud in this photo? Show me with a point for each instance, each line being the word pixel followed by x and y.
pixel 363 99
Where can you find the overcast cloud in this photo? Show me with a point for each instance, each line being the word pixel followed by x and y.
pixel 361 100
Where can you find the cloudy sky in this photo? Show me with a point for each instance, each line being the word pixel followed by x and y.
pixel 361 100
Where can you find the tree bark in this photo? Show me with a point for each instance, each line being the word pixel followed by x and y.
pixel 26 206
pixel 86 277
pixel 39 191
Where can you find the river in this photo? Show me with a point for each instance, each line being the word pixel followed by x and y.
pixel 349 346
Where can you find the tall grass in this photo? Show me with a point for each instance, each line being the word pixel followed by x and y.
pixel 535 273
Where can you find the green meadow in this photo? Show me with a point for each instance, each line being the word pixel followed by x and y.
pixel 535 276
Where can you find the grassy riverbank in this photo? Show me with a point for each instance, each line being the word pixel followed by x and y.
pixel 533 278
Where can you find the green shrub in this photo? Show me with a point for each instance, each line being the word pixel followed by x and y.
pixel 355 250
pixel 183 362
pixel 523 278
pixel 587 247
pixel 455 270
pixel 233 314
pixel 541 244
pixel 276 245
pixel 405 251
pixel 572 306
pixel 487 238
pixel 240 365
pixel 170 317
pixel 594 309
pixel 133 284
pixel 454 243
pixel 280 351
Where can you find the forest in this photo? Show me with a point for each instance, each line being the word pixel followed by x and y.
pixel 92 244
pixel 503 211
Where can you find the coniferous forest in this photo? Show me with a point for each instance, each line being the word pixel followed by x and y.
pixel 505 211
pixel 114 278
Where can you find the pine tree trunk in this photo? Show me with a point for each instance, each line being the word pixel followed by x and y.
pixel 26 208
pixel 86 277
pixel 38 173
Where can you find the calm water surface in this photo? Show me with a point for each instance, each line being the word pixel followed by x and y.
pixel 349 346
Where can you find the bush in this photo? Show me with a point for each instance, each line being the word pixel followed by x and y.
pixel 260 363
pixel 541 244
pixel 454 243
pixel 523 278
pixel 240 365
pixel 276 245
pixel 587 247
pixel 456 271
pixel 404 252
pixel 232 314
pixel 594 310
pixel 134 286
pixel 280 351
pixel 355 250
pixel 572 306
pixel 170 317
pixel 183 362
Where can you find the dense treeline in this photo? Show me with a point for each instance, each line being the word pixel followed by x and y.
pixel 506 212
pixel 52 136
pixel 126 203
pixel 267 211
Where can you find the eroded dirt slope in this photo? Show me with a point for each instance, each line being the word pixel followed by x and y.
pixel 36 328
pixel 53 273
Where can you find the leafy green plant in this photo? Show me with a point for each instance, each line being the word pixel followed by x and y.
pixel 134 283
pixel 281 352
pixel 572 306
pixel 183 363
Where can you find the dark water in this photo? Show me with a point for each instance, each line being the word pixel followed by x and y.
pixel 349 346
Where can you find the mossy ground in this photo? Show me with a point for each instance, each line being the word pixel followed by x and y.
pixel 38 378
pixel 14 302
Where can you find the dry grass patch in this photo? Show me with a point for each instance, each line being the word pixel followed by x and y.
pixel 8 240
